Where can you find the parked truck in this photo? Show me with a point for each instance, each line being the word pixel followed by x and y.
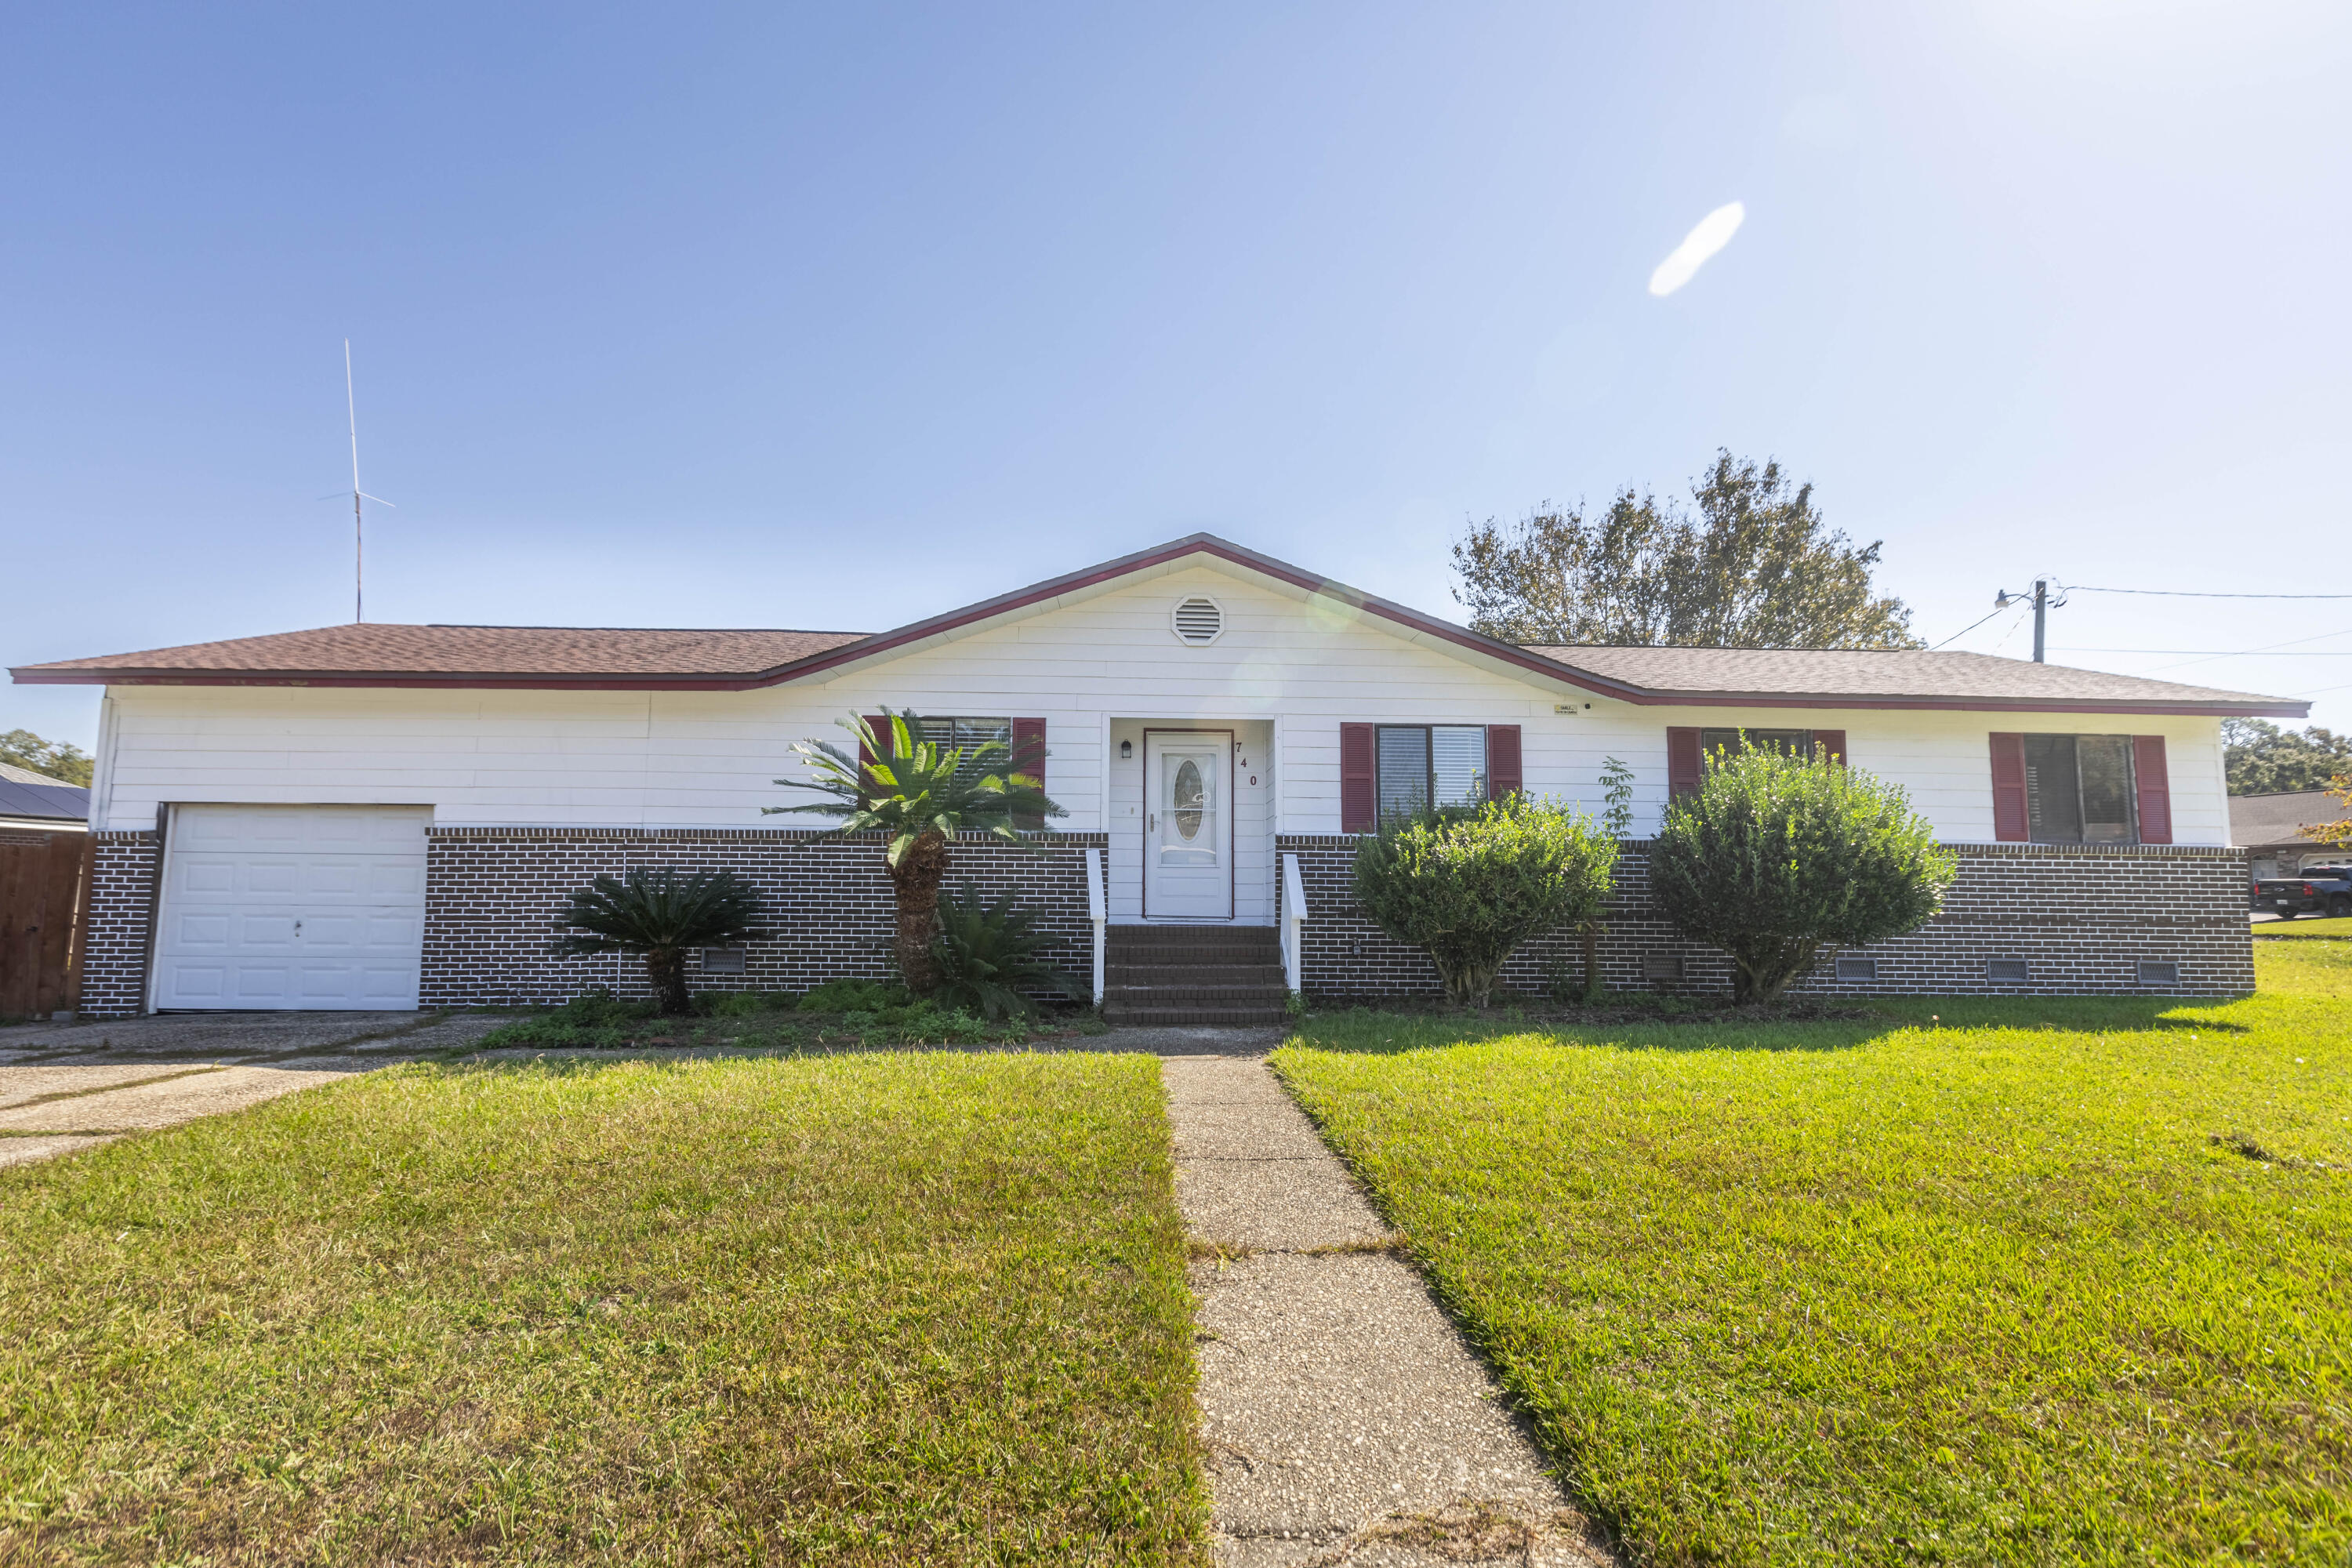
pixel 2318 891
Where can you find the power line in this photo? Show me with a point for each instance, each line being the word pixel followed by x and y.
pixel 2220 652
pixel 1970 627
pixel 2193 593
pixel 2266 647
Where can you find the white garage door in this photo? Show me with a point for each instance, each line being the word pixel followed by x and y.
pixel 292 905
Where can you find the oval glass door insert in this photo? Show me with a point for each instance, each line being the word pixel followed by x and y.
pixel 1187 800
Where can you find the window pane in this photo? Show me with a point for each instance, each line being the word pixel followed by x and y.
pixel 2053 805
pixel 1800 741
pixel 1458 759
pixel 963 734
pixel 2104 761
pixel 1403 769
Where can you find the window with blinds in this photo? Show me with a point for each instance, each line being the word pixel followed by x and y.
pixel 1421 765
pixel 2078 789
pixel 1797 743
pixel 965 733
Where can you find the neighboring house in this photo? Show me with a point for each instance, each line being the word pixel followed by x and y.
pixel 33 802
pixel 385 815
pixel 2268 829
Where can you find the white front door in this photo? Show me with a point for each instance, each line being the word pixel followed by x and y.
pixel 1187 824
pixel 292 905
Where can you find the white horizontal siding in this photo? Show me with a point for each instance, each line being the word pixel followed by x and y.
pixel 707 759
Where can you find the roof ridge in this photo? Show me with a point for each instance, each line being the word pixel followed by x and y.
pixel 520 626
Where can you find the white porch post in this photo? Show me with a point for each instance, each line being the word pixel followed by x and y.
pixel 1096 911
pixel 1294 917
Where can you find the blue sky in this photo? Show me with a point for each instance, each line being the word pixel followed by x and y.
pixel 839 316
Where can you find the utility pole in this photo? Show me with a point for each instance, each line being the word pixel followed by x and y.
pixel 2042 605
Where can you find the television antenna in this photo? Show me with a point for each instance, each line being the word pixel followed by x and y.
pixel 359 523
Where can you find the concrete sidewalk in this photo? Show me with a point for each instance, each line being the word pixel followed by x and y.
pixel 69 1087
pixel 1344 1419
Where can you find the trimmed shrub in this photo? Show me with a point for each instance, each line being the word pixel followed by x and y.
pixel 1777 857
pixel 1468 887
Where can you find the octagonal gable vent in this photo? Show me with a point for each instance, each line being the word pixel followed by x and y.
pixel 1199 620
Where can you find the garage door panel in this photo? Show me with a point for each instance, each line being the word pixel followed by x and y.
pixel 403 882
pixel 271 907
pixel 196 983
pixel 261 984
pixel 202 932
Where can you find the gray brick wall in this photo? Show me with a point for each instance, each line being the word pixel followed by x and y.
pixel 2082 918
pixel 122 910
pixel 491 896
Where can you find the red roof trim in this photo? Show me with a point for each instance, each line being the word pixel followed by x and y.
pixel 1127 566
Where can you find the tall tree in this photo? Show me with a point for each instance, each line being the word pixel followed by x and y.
pixel 61 760
pixel 1753 566
pixel 920 794
pixel 2262 759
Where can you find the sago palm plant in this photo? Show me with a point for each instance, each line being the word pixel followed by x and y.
pixel 921 794
pixel 660 914
pixel 990 957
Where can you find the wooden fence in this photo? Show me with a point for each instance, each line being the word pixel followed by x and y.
pixel 44 890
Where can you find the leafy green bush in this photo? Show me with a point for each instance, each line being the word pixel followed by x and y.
pixel 848 995
pixel 598 1006
pixel 987 957
pixel 1470 887
pixel 744 1004
pixel 1776 857
pixel 595 1019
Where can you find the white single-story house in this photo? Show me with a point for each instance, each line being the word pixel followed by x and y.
pixel 383 816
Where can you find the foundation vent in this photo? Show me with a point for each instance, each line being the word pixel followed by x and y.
pixel 1199 620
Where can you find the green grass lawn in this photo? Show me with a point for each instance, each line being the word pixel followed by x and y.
pixel 875 1309
pixel 2021 1281
pixel 2305 925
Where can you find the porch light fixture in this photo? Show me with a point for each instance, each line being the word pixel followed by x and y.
pixel 1126 749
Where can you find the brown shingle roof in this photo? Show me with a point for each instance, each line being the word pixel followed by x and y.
pixel 1837 676
pixel 2267 819
pixel 391 650
pixel 587 655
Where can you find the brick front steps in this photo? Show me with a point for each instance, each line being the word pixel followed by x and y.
pixel 1193 974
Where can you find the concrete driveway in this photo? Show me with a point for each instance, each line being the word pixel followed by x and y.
pixel 67 1087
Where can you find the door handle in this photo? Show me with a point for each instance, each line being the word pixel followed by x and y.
pixel 1151 823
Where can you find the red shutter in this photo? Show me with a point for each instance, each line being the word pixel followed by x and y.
pixel 1833 742
pixel 1503 774
pixel 1029 759
pixel 1683 766
pixel 2008 819
pixel 1356 805
pixel 2155 789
